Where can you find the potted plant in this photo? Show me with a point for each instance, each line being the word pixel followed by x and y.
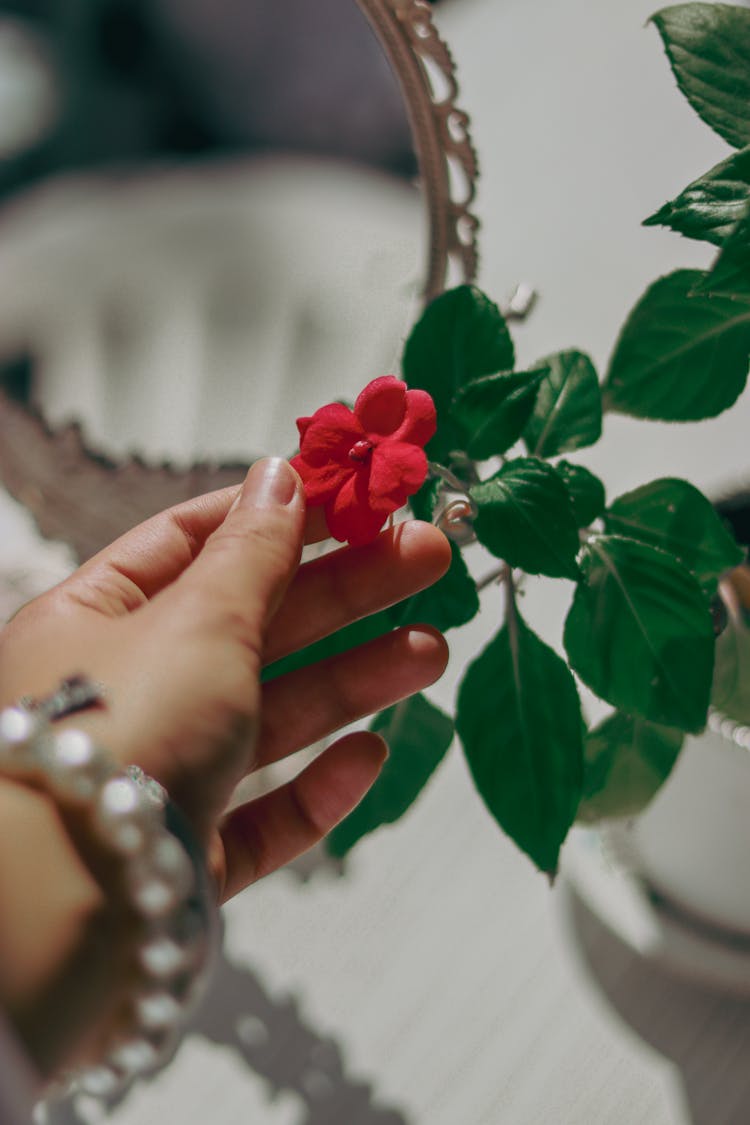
pixel 705 873
pixel 646 568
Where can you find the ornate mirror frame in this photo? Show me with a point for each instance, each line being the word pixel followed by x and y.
pixel 86 500
pixel 440 131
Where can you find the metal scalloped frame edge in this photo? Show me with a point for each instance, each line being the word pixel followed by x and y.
pixel 440 129
pixel 82 497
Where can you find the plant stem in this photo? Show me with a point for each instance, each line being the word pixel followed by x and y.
pixel 496 575
pixel 454 518
pixel 510 592
pixel 511 620
pixel 501 574
pixel 441 473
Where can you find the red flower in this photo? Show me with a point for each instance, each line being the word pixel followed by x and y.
pixel 362 464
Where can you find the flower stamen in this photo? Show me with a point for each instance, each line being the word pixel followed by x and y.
pixel 360 451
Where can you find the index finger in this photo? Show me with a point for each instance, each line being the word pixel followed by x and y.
pixel 144 561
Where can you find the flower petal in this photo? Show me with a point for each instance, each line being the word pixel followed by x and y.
pixel 397 470
pixel 349 515
pixel 420 419
pixel 330 434
pixel 381 406
pixel 302 424
pixel 321 482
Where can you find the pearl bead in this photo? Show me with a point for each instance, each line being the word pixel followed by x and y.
pixel 163 958
pixel 17 733
pixel 153 897
pixel 168 858
pixel 160 878
pixel 135 1056
pixel 76 765
pixel 123 816
pixel 158 1010
pixel 17 725
pixel 101 1081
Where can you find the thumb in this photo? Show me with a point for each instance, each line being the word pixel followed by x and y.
pixel 241 575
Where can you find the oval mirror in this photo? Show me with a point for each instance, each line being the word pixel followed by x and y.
pixel 232 219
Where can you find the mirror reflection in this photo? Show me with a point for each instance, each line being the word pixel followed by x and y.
pixel 208 218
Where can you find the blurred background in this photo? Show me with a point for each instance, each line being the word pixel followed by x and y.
pixel 208 212
pixel 103 82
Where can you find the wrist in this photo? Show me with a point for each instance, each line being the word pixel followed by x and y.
pixel 61 941
pixel 133 925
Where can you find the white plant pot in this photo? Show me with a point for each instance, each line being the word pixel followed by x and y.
pixel 692 844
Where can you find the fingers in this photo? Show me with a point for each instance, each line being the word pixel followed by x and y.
pixel 304 706
pixel 316 528
pixel 265 834
pixel 347 584
pixel 144 561
pixel 238 580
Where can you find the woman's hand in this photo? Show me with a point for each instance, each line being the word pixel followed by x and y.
pixel 177 619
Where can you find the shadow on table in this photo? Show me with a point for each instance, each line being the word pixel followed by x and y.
pixel 278 1045
pixel 705 1032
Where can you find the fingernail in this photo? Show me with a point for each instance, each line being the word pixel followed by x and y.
pixel 270 483
pixel 385 751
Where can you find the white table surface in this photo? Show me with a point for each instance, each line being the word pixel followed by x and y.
pixel 441 982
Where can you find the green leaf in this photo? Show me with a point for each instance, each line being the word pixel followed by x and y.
pixel 710 206
pixel 673 515
pixel 585 490
pixel 494 410
pixel 423 503
pixel 568 409
pixel 358 633
pixel 708 46
pixel 680 357
pixel 418 736
pixel 451 602
pixel 519 720
pixel 730 274
pixel 526 518
pixel 640 634
pixel 626 760
pixel 460 336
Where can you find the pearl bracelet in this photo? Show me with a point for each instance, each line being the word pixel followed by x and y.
pixel 164 878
